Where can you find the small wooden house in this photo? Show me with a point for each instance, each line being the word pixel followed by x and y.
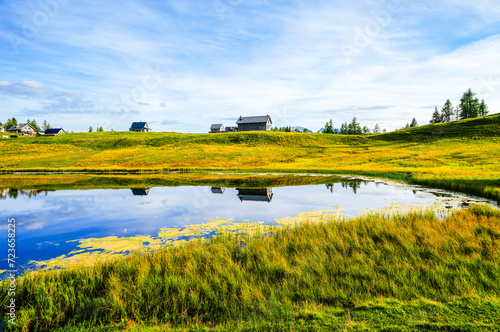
pixel 218 190
pixel 54 131
pixel 254 123
pixel 231 129
pixel 23 129
pixel 256 195
pixel 140 127
pixel 217 128
pixel 140 191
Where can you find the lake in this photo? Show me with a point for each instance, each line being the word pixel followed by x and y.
pixel 79 225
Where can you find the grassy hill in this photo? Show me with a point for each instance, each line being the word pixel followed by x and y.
pixel 476 128
pixel 463 155
pixel 406 272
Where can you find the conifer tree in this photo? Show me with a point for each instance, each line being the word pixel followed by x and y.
pixel 469 105
pixel 436 117
pixel 447 112
pixel 483 108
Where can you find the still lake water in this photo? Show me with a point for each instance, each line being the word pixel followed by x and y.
pixel 47 220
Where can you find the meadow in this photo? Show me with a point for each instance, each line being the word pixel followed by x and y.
pixel 402 272
pixel 462 156
pixel 406 272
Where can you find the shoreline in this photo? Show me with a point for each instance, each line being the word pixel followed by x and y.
pixel 410 260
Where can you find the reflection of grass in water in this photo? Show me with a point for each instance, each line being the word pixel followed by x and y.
pixel 89 181
pixel 409 271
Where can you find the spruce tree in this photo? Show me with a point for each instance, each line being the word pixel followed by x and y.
pixel 469 105
pixel 483 109
pixel 343 128
pixel 457 113
pixel 354 127
pixel 436 117
pixel 329 127
pixel 447 112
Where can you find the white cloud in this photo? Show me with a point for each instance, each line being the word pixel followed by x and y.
pixel 285 60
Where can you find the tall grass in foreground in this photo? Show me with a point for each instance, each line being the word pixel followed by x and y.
pixel 333 264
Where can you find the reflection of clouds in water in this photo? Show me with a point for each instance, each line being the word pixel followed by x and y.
pixel 78 214
pixel 35 225
pixel 46 243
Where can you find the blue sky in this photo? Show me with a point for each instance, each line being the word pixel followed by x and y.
pixel 182 65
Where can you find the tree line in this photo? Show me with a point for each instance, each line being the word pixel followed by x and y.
pixel 98 129
pixel 469 107
pixel 347 128
pixel 352 128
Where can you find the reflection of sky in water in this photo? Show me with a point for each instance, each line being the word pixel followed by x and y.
pixel 46 222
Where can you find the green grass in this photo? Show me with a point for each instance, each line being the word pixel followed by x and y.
pixel 462 156
pixel 403 272
pixel 89 181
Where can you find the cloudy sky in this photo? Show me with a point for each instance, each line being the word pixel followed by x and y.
pixel 184 64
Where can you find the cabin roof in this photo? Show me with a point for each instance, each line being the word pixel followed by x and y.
pixel 53 130
pixel 258 195
pixel 20 127
pixel 216 126
pixel 139 124
pixel 253 119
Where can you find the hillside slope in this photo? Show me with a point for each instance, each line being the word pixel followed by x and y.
pixel 486 127
pixel 463 155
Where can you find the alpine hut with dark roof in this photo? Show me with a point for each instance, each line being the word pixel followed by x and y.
pixel 254 123
pixel 140 127
pixel 54 131
pixel 217 128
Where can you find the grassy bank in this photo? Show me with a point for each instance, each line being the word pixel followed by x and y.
pixel 462 156
pixel 401 273
pixel 88 181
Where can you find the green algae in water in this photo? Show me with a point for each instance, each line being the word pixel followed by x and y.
pixel 97 249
